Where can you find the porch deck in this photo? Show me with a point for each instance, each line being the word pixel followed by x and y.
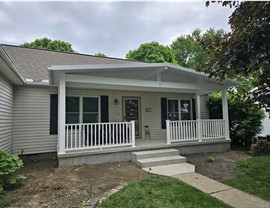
pixel 115 142
pixel 124 153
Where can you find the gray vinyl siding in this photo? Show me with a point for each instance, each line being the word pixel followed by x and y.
pixel 32 120
pixel 204 107
pixel 150 100
pixel 6 114
pixel 32 114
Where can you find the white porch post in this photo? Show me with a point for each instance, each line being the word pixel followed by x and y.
pixel 198 113
pixel 225 113
pixel 168 131
pixel 61 113
pixel 133 133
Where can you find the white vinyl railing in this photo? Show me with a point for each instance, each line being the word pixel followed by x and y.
pixel 213 128
pixel 99 135
pixel 195 130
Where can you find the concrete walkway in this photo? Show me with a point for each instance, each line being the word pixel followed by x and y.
pixel 227 194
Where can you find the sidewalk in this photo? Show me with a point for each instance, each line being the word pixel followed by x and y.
pixel 227 194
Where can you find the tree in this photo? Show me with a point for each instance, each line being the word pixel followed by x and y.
pixel 245 117
pixel 188 53
pixel 245 52
pixel 152 52
pixel 46 43
pixel 100 54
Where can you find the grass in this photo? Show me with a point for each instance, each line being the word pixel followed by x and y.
pixel 253 176
pixel 6 200
pixel 159 192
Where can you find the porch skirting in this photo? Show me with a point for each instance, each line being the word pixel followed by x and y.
pixel 124 154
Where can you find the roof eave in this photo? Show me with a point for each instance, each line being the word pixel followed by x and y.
pixel 11 65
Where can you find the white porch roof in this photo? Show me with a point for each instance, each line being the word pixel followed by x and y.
pixel 138 76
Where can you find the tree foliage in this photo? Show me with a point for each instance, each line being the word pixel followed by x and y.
pixel 188 53
pixel 152 52
pixel 245 52
pixel 100 54
pixel 245 117
pixel 46 43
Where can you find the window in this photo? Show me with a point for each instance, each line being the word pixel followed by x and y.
pixel 185 106
pixel 173 112
pixel 87 112
pixel 90 110
pixel 72 110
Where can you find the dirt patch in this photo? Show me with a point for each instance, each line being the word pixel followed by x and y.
pixel 222 166
pixel 50 186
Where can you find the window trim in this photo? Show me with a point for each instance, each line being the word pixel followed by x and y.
pixel 191 109
pixel 179 107
pixel 81 106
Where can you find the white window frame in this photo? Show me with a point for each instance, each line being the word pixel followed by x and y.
pixel 191 109
pixel 81 106
pixel 179 107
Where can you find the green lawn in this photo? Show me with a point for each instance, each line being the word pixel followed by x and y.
pixel 253 176
pixel 159 192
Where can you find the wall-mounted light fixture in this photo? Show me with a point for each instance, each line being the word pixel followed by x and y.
pixel 116 101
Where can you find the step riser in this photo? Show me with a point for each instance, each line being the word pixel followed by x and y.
pixel 153 155
pixel 158 163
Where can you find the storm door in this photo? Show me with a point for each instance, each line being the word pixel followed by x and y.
pixel 132 112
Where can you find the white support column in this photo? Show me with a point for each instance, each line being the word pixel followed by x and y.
pixel 198 113
pixel 198 106
pixel 133 133
pixel 61 113
pixel 168 132
pixel 225 113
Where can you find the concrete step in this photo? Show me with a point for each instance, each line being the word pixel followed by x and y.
pixel 157 161
pixel 153 154
pixel 171 170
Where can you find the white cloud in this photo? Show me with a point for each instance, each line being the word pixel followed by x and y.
pixel 112 28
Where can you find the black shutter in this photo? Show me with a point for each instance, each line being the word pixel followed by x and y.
pixel 104 108
pixel 54 114
pixel 194 109
pixel 163 112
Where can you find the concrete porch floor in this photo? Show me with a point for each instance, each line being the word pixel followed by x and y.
pixel 123 154
pixel 149 142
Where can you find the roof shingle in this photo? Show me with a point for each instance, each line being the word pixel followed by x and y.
pixel 34 63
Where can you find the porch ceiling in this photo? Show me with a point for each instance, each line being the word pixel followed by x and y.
pixel 141 76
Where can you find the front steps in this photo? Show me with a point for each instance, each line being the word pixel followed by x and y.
pixel 163 162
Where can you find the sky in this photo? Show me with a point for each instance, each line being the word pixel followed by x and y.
pixel 112 28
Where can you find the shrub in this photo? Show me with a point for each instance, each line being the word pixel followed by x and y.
pixel 210 159
pixel 245 117
pixel 9 163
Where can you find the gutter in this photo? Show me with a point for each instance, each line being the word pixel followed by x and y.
pixel 11 65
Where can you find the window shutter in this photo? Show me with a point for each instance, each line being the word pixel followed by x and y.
pixel 104 108
pixel 54 114
pixel 163 112
pixel 194 109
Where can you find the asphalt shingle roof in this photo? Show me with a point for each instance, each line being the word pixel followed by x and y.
pixel 34 63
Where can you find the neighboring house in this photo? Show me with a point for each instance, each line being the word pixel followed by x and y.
pixel 266 126
pixel 92 109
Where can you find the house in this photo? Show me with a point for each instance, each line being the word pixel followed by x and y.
pixel 92 109
pixel 265 125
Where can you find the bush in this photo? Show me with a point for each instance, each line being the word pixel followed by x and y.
pixel 9 163
pixel 245 117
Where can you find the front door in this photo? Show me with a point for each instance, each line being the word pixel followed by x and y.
pixel 132 112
